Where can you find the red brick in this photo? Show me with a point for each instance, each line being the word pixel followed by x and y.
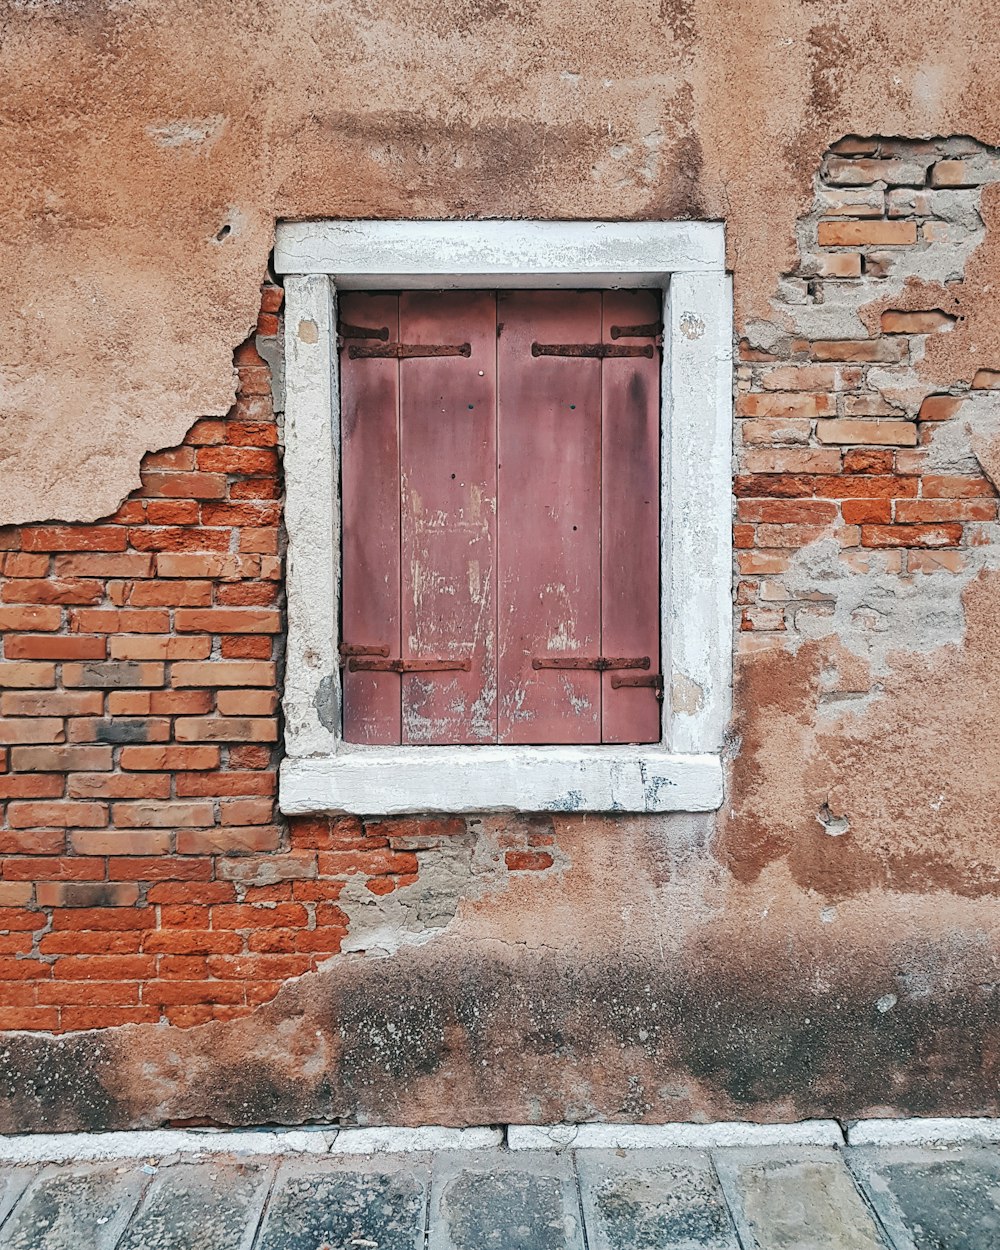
pixel 23 970
pixel 245 460
pixel 127 565
pixel 52 869
pixel 255 488
pixel 32 841
pixel 866 233
pixel 249 757
pixel 911 535
pixel 788 511
pixel 100 906
pixel 108 968
pixel 206 432
pixel 35 1018
pixel 909 511
pixel 940 407
pixel 172 512
pixel 120 842
pixel 159 703
pixel 232 840
pixel 246 811
pixel 68 590
pixel 119 786
pixel 862 351
pixel 184 485
pixel 929 321
pixel 192 992
pixel 226 729
pixel 21 564
pixel 141 814
pixel 247 647
pixel 116 621
pixel 200 564
pixel 174 458
pixel 251 434
pixel 246 594
pixel 61 759
pixel 55 647
pixel 227 620
pixel 32 786
pixel 161 594
pixel 159 647
pixel 13 919
pixel 30 618
pixel 254 514
pixel 207 892
pixel 112 673
pixel 73 538
pixel 247 702
pixel 169 758
pixel 86 942
pixel 864 460
pixel 786 405
pixel 62 815
pixel 792 460
pixel 867 511
pixel 163 869
pixel 254 967
pixel 27 676
pixel 885 433
pixel 223 673
pixel 215 785
pixel 31 729
pixel 953 486
pixel 106 1017
pixel 241 916
pixel 172 538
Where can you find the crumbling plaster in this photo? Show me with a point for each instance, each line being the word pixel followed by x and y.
pixel 149 150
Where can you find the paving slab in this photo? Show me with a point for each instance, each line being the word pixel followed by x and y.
pixel 13 1183
pixel 348 1204
pixel 787 1201
pixel 200 1206
pixel 67 1208
pixel 493 1201
pixel 653 1200
pixel 933 1199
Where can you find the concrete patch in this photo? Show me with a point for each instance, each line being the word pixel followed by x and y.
pixel 667 1136
pixel 347 1207
pixel 653 1200
pixel 366 1141
pixel 933 1199
pixel 159 1144
pixel 785 1202
pixel 75 1208
pixel 498 1202
pixel 922 1132
pixel 200 1207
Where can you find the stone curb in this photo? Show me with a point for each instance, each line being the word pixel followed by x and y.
pixel 665 1136
pixel 923 1132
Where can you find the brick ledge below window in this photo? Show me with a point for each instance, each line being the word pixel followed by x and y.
pixel 396 781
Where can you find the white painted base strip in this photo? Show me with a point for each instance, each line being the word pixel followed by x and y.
pixel 160 1144
pixel 367 1141
pixel 664 1136
pixel 395 781
pixel 923 1132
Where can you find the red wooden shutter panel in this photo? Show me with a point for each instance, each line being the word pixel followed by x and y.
pixel 501 517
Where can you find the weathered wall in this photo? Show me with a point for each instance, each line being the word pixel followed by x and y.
pixel 828 943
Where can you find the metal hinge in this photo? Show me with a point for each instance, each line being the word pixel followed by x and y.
pixel 601 351
pixel 406 351
pixel 600 665
pixel 409 666
pixel 361 332
pixel 649 331
pixel 654 680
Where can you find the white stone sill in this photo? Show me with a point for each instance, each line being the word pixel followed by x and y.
pixel 400 781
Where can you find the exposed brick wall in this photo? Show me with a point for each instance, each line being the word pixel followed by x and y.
pixel 835 426
pixel 146 873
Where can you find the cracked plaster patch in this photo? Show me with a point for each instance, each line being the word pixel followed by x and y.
pixel 455 869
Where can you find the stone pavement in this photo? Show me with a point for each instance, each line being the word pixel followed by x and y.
pixel 778 1198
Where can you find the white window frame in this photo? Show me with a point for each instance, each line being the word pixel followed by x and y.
pixel 683 772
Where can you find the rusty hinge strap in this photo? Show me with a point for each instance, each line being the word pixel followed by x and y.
pixel 600 665
pixel 409 666
pixel 648 331
pixel 406 351
pixel 361 332
pixel 601 351
pixel 654 680
pixel 350 649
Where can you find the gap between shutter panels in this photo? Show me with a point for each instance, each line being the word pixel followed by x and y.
pixel 550 679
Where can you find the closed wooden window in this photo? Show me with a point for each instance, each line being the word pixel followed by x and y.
pixel 500 493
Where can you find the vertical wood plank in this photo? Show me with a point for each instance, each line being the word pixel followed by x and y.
pixel 448 518
pixel 370 501
pixel 630 518
pixel 549 418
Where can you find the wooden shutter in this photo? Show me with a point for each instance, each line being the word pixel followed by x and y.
pixel 501 517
